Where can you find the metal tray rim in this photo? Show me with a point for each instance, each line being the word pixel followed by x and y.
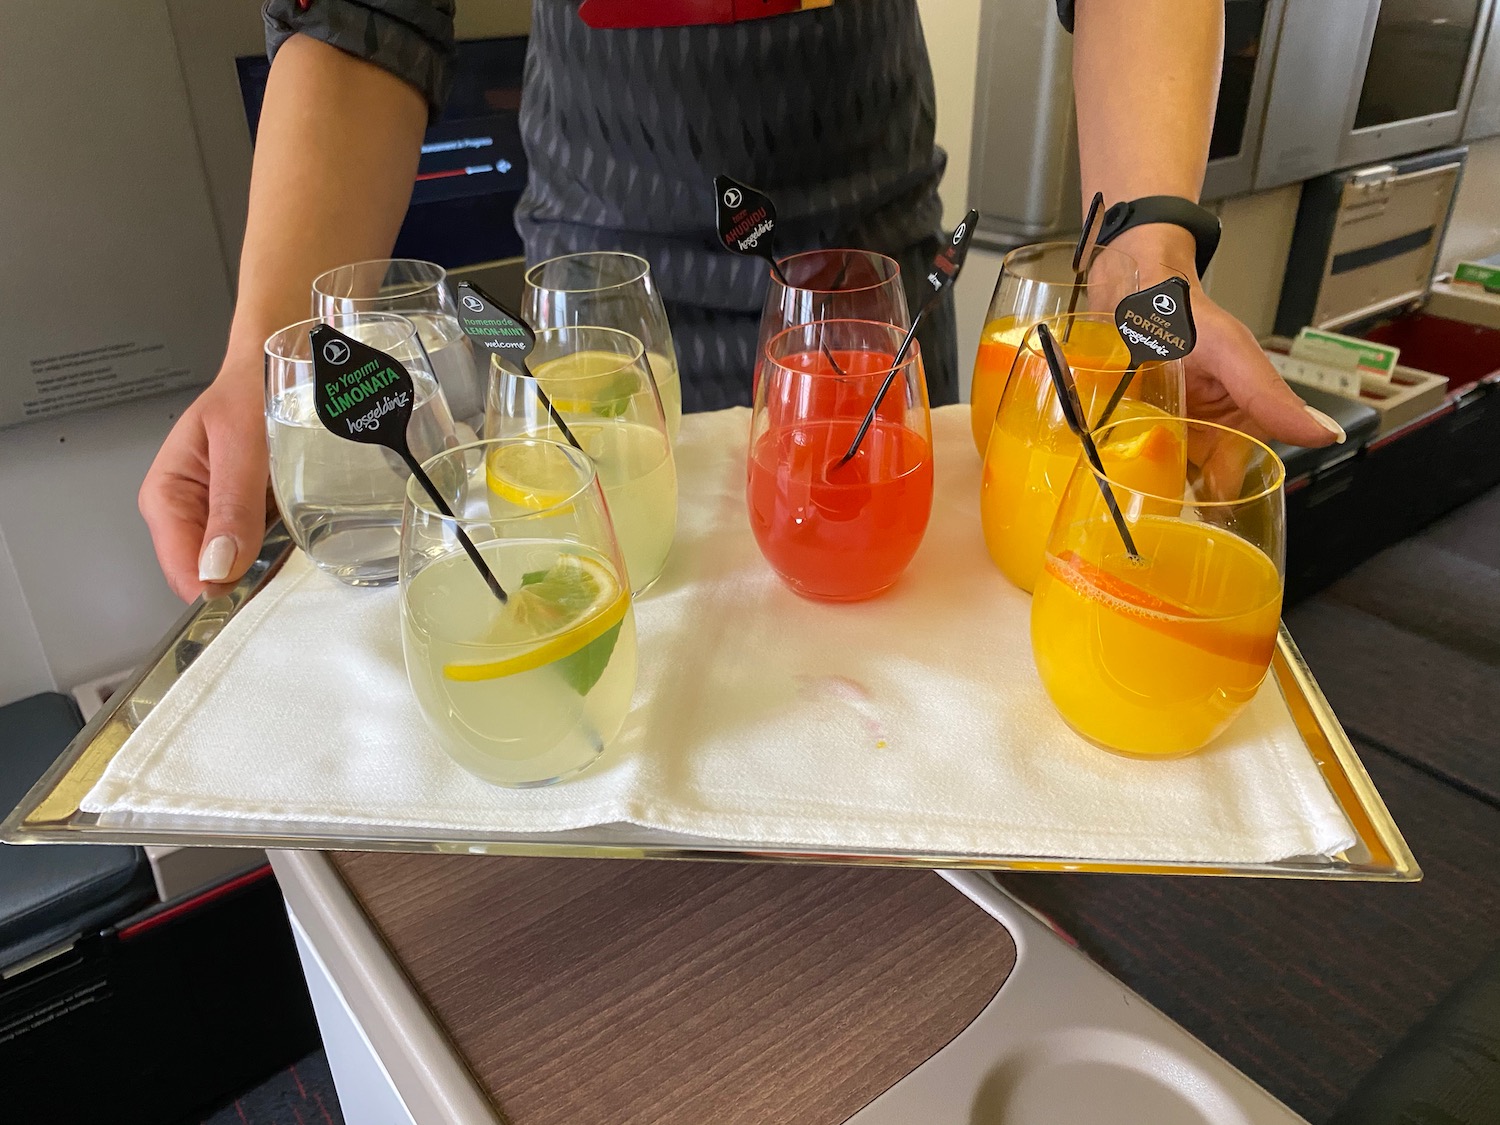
pixel 49 813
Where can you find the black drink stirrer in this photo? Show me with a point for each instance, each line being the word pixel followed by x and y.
pixel 747 225
pixel 362 394
pixel 1078 271
pixel 501 332
pixel 1156 324
pixel 1067 397
pixel 944 272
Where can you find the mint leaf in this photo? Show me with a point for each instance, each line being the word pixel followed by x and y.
pixel 583 668
pixel 532 577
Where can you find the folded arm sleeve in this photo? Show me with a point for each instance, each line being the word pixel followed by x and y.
pixel 412 39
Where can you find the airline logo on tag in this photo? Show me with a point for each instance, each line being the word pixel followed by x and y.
pixel 950 259
pixel 361 393
pixel 745 215
pixel 491 325
pixel 1157 323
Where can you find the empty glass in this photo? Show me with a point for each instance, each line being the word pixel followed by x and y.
pixel 599 382
pixel 418 291
pixel 831 285
pixel 530 691
pixel 1039 281
pixel 609 289
pixel 341 500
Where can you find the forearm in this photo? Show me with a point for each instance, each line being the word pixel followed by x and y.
pixel 337 154
pixel 1146 79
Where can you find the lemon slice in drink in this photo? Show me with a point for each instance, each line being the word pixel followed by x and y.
pixel 534 476
pixel 569 606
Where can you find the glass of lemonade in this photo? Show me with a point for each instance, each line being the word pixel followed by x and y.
pixel 828 285
pixel 529 691
pixel 1155 656
pixel 341 500
pixel 418 291
pixel 600 383
pixel 610 289
pixel 839 532
pixel 1039 281
pixel 1031 452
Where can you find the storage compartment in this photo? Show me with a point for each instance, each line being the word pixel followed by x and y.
pixel 1469 355
pixel 1464 353
pixel 1361 263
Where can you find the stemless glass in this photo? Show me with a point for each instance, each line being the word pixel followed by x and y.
pixel 610 289
pixel 598 379
pixel 1155 656
pixel 839 532
pixel 340 499
pixel 1031 452
pixel 418 291
pixel 1035 282
pixel 830 285
pixel 530 691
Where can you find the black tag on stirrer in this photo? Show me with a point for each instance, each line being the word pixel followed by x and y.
pixel 1157 323
pixel 492 327
pixel 360 392
pixel 747 218
pixel 950 259
pixel 364 395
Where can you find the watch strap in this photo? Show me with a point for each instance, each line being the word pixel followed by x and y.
pixel 1198 221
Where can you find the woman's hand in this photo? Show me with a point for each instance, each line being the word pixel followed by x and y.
pixel 1230 380
pixel 204 498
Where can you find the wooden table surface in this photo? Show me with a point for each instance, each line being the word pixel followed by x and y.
pixel 610 991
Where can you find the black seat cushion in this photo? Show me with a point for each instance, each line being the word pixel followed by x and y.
pixel 52 894
pixel 1447 1071
pixel 1407 648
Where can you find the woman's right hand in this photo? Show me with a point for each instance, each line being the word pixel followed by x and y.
pixel 205 496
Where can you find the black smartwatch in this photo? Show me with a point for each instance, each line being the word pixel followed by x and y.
pixel 1198 221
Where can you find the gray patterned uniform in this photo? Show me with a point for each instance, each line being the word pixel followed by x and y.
pixel 831 111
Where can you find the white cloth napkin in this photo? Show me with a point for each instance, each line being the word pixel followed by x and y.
pixel 913 721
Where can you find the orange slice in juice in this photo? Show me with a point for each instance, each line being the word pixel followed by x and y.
pixel 1152 462
pixel 1163 615
pixel 1113 586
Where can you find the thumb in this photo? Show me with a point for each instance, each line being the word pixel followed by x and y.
pixel 236 504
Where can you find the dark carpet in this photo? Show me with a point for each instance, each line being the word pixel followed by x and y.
pixel 1307 986
pixel 302 1094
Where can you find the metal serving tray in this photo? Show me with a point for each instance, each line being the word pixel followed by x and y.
pixel 50 813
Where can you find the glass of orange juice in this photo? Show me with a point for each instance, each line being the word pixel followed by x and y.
pixel 1039 281
pixel 1154 656
pixel 1031 452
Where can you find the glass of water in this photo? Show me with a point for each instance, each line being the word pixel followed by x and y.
pixel 341 500
pixel 609 289
pixel 418 291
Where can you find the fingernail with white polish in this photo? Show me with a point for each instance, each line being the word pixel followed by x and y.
pixel 216 559
pixel 1327 423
